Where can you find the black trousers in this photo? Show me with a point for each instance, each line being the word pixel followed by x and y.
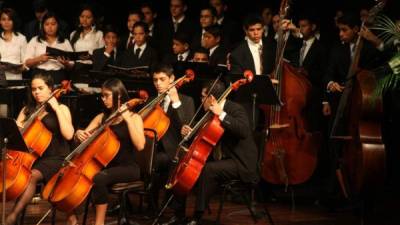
pixel 212 176
pixel 109 176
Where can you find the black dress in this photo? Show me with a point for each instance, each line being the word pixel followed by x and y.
pixel 58 149
pixel 122 167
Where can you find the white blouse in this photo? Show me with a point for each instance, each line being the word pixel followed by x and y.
pixel 36 48
pixel 13 51
pixel 88 42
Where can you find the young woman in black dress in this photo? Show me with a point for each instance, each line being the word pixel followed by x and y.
pixel 57 119
pixel 128 128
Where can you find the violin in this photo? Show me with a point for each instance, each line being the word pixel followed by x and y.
pixel 153 115
pixel 209 130
pixel 67 189
pixel 37 138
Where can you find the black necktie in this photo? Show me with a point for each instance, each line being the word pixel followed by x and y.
pixel 130 42
pixel 137 52
pixel 180 57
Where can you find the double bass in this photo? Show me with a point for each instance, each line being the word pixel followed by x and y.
pixel 290 154
pixel 37 138
pixel 208 132
pixel 67 189
pixel 154 116
pixel 357 126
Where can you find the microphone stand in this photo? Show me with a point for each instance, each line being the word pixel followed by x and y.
pixel 3 159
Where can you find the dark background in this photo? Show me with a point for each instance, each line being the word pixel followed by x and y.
pixel 115 11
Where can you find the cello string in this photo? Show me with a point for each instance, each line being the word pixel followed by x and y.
pixel 45 215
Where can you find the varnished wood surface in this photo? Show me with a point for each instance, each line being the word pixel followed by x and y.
pixel 306 211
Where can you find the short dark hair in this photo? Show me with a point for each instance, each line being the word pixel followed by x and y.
pixel 217 90
pixel 211 9
pixel 201 50
pixel 39 5
pixel 109 28
pixel 251 20
pixel 350 19
pixel 136 12
pixel 182 37
pixel 164 68
pixel 214 30
pixel 143 25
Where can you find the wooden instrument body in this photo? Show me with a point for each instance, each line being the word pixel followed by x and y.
pixel 191 164
pixel 77 180
pixel 290 154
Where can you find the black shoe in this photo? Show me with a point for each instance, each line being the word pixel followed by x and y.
pixel 175 220
pixel 194 222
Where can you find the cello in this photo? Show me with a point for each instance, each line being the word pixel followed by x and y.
pixel 360 111
pixel 290 154
pixel 209 131
pixel 154 116
pixel 37 138
pixel 70 186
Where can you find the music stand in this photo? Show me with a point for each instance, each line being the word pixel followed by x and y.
pixel 203 73
pixel 10 135
pixel 259 91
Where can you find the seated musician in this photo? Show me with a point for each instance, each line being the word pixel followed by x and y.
pixel 57 119
pixel 180 110
pixel 235 157
pixel 128 128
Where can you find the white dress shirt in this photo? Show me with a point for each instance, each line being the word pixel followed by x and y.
pixel 142 48
pixel 36 48
pixel 308 44
pixel 88 42
pixel 255 52
pixel 13 51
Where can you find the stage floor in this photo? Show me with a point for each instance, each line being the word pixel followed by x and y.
pixel 306 211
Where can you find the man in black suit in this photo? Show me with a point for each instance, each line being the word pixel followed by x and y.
pixel 235 159
pixel 108 55
pixel 232 33
pixel 33 27
pixel 340 59
pixel 254 53
pixel 180 50
pixel 140 54
pixel 212 39
pixel 334 83
pixel 208 17
pixel 178 22
pixel 180 110
pixel 312 56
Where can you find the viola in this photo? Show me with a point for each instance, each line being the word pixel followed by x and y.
pixel 37 138
pixel 290 154
pixel 208 132
pixel 154 116
pixel 67 189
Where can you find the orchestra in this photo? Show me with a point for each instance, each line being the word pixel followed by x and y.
pixel 334 118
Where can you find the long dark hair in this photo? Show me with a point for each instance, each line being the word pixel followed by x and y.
pixel 118 91
pixel 31 103
pixel 12 14
pixel 79 29
pixel 42 35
